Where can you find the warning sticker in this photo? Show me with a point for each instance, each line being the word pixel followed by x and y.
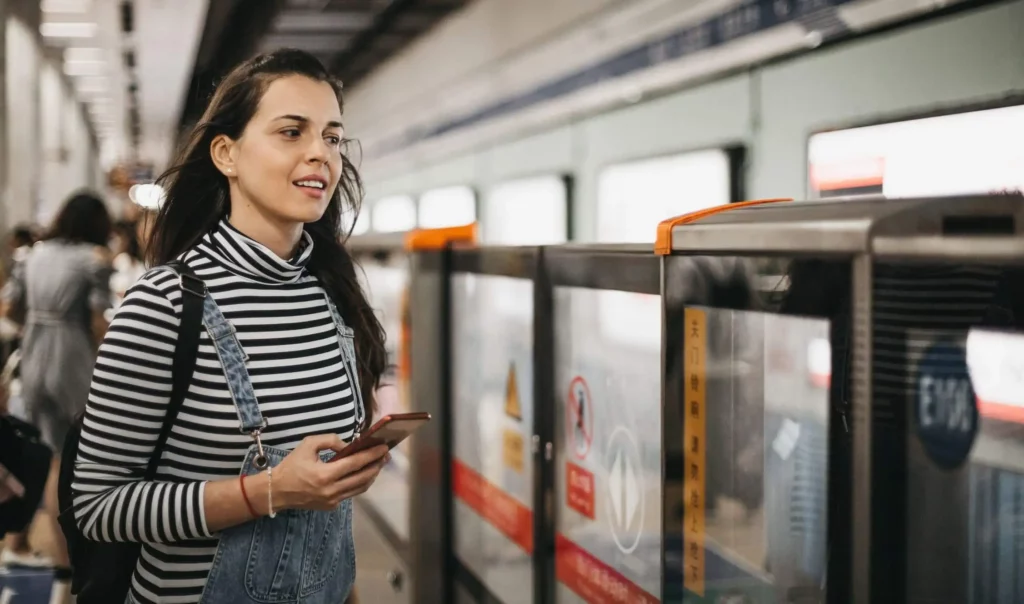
pixel 513 450
pixel 512 408
pixel 694 373
pixel 580 492
pixel 579 418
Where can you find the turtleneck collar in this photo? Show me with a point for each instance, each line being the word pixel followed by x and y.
pixel 248 258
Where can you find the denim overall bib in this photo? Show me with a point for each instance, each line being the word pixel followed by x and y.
pixel 300 556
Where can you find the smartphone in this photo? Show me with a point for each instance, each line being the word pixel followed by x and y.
pixel 389 430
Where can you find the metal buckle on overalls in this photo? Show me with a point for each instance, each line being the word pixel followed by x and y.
pixel 261 457
pixel 192 285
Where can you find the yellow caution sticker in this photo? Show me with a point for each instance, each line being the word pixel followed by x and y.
pixel 512 408
pixel 694 459
pixel 513 450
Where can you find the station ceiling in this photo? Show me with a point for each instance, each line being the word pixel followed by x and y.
pixel 352 37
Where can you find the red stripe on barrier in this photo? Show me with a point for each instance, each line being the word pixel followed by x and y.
pixel 1001 412
pixel 503 511
pixel 592 579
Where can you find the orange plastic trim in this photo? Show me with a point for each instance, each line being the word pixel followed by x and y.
pixel 663 242
pixel 436 239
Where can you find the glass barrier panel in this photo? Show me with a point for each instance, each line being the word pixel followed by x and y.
pixel 947 373
pixel 750 471
pixel 995 362
pixel 386 284
pixel 492 469
pixel 631 320
pixel 608 453
pixel 755 455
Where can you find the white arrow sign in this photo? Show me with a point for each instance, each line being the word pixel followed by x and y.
pixel 625 490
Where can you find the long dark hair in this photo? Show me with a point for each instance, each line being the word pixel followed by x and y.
pixel 82 219
pixel 197 198
pixel 126 230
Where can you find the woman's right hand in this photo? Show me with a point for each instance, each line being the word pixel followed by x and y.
pixel 302 481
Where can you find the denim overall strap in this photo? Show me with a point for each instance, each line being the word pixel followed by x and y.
pixel 232 360
pixel 299 556
pixel 346 337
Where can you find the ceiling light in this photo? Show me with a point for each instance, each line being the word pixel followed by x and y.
pixel 72 54
pixel 92 84
pixel 67 30
pixel 65 6
pixel 84 68
pixel 149 196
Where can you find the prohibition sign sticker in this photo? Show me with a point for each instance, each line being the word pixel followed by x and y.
pixel 579 418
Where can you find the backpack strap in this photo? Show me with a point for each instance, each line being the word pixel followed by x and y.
pixel 193 295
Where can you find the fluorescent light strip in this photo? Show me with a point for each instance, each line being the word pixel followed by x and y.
pixel 84 68
pixel 67 30
pixel 64 6
pixel 72 54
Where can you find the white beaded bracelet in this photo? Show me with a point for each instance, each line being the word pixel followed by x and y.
pixel 270 492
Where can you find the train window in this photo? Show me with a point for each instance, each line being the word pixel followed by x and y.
pixel 447 206
pixel 528 211
pixel 973 152
pixel 632 198
pixel 362 222
pixel 394 214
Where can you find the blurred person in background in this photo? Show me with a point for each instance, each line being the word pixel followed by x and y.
pixel 62 289
pixel 20 243
pixel 127 264
pixel 22 240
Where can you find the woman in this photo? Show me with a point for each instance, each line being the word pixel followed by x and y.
pixel 61 289
pixel 253 205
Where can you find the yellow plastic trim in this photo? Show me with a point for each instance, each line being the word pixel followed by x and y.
pixel 663 242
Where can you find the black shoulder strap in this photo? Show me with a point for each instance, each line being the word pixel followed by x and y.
pixel 193 294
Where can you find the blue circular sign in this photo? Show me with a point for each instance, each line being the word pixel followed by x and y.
pixel 945 407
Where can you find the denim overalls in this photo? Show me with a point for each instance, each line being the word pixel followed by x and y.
pixel 300 556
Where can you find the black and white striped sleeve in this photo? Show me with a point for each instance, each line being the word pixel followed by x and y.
pixel 128 398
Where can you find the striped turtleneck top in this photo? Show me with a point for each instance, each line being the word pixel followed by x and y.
pixel 284 325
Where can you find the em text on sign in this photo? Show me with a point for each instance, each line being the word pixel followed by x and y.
pixel 945 406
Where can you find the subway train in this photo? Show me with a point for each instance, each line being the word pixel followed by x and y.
pixel 859 444
pixel 922 108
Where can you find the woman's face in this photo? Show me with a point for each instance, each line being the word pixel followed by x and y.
pixel 287 163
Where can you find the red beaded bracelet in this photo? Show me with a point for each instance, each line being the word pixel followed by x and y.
pixel 248 504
